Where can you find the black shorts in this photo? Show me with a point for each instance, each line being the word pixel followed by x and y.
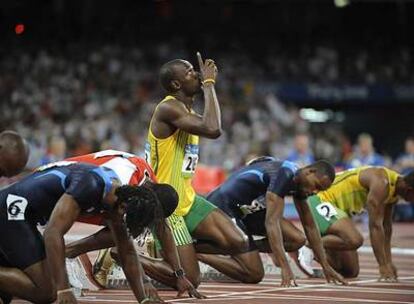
pixel 21 244
pixel 253 224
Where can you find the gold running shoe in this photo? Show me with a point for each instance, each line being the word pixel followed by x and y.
pixel 102 266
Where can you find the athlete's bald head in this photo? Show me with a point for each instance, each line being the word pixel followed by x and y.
pixel 14 153
pixel 168 73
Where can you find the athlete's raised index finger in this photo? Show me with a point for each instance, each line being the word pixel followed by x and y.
pixel 200 61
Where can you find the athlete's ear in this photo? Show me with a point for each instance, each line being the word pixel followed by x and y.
pixel 175 85
pixel 310 171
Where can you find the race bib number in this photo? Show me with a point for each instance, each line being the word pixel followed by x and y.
pixel 16 206
pixel 62 163
pixel 255 206
pixel 190 160
pixel 326 210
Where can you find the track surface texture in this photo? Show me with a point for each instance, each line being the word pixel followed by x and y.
pixel 364 289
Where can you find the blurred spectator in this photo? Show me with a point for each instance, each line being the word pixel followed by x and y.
pixel 404 211
pixel 102 96
pixel 405 162
pixel 301 153
pixel 364 154
pixel 56 150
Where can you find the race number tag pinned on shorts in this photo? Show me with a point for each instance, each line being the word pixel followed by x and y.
pixel 16 206
pixel 326 210
pixel 190 160
pixel 255 206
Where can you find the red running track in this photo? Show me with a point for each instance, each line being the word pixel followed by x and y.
pixel 364 289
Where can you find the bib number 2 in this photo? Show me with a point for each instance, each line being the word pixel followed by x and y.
pixel 326 210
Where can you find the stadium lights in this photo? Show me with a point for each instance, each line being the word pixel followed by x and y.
pixel 341 3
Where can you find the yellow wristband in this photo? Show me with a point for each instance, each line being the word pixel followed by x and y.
pixel 145 300
pixel 64 291
pixel 208 80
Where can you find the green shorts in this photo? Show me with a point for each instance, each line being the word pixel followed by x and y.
pixel 183 226
pixel 324 213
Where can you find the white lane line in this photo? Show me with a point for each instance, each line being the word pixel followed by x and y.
pixel 253 292
pixel 362 289
pixel 289 297
pixel 328 298
pixel 394 250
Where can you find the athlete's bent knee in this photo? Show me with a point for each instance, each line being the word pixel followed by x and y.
pixel 254 277
pixel 298 242
pixel 350 273
pixel 355 242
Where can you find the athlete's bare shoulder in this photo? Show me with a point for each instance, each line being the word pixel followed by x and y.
pixel 373 174
pixel 164 117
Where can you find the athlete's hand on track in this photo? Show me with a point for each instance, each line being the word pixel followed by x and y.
pixel 388 273
pixel 208 69
pixel 288 279
pixel 332 276
pixel 152 292
pixel 184 285
pixel 66 298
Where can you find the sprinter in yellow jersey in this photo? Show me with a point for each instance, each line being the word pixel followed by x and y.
pixel 173 152
pixel 375 189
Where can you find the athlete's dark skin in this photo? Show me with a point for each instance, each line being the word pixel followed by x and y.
pixel 343 238
pixel 42 281
pixel 13 153
pixel 175 114
pixel 247 267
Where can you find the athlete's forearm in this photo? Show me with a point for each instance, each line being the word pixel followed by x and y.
pixel 55 256
pixel 388 232
pixel 377 235
pixel 132 269
pixel 274 234
pixel 212 113
pixel 100 240
pixel 128 257
pixel 387 242
pixel 169 248
pixel 311 230
pixel 315 241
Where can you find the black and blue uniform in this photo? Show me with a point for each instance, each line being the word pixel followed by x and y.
pixel 29 202
pixel 241 195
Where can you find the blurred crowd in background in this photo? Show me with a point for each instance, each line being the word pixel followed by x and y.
pixel 79 80
pixel 74 101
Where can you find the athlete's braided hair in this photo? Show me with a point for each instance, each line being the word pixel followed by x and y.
pixel 143 208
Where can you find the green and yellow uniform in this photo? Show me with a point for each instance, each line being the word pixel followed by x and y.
pixel 346 197
pixel 174 161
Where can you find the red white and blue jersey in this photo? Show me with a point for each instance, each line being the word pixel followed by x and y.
pixel 34 197
pixel 131 170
